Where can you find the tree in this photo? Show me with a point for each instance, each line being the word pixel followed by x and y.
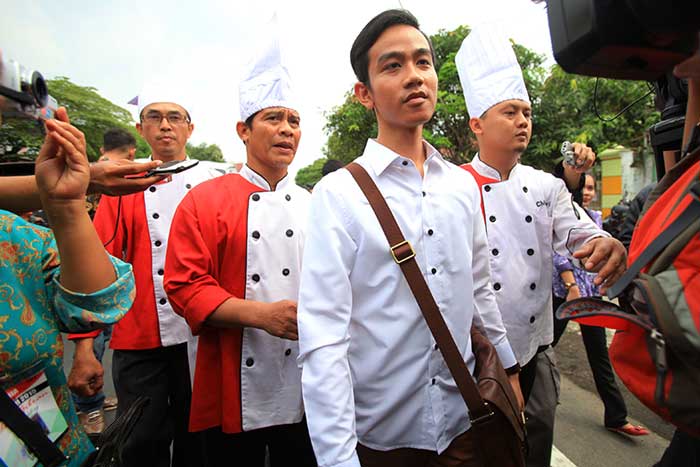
pixel 205 152
pixel 89 112
pixel 311 174
pixel 350 125
pixel 565 111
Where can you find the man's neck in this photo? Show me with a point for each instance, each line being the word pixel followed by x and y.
pixel 271 175
pixel 407 142
pixel 502 162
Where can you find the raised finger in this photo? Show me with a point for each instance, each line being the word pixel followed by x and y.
pixel 64 129
pixel 74 132
pixel 72 154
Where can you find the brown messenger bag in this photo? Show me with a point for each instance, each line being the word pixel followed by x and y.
pixel 497 423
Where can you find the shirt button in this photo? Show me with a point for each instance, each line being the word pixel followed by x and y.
pixel 152 189
pixel 249 362
pixel 162 301
pixel 525 189
pixel 285 272
pixel 528 219
pixel 156 215
pixel 494 252
pixel 430 231
pixel 487 188
pixel 497 286
pixel 433 381
pixel 256 197
pixel 492 218
pixel 188 186
pixel 288 197
pixel 435 347
pixel 434 271
pixel 255 277
pixel 255 234
pixel 289 233
pixel 160 272
pixel 533 286
pixel 532 319
pixel 423 192
pixel 288 352
pixel 405 163
pixel 157 243
pixel 530 252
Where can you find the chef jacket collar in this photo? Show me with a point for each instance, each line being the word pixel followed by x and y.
pixel 486 170
pixel 256 179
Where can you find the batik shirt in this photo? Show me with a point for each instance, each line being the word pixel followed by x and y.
pixel 35 309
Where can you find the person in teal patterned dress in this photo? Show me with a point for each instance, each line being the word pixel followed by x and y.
pixel 42 295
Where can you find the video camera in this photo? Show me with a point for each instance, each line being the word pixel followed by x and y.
pixel 631 39
pixel 26 92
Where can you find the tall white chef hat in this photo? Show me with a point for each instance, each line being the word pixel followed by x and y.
pixel 162 91
pixel 266 82
pixel 489 71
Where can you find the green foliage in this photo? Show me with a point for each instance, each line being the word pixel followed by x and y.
pixel 311 174
pixel 93 115
pixel 565 111
pixel 348 126
pixel 89 112
pixel 205 152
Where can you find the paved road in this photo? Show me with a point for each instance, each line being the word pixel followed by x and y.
pixel 580 439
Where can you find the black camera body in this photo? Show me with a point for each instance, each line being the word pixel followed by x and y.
pixel 623 39
pixel 25 91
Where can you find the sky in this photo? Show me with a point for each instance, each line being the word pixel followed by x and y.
pixel 118 46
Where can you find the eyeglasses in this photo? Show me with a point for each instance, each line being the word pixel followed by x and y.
pixel 174 118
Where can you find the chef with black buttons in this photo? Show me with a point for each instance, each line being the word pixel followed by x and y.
pixel 528 213
pixel 232 270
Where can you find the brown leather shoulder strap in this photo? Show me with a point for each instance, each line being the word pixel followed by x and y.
pixel 403 254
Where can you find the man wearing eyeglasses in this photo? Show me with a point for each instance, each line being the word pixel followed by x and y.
pixel 153 346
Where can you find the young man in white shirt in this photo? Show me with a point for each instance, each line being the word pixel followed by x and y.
pixel 374 383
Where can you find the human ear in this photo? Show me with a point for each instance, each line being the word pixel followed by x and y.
pixel 364 95
pixel 243 132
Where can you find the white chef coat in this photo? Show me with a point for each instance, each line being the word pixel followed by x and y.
pixel 528 216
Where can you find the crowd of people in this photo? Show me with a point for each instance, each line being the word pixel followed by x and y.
pixel 267 324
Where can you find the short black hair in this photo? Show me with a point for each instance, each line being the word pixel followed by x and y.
pixel 117 138
pixel 249 121
pixel 331 165
pixel 359 53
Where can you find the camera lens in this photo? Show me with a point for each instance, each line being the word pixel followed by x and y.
pixel 39 89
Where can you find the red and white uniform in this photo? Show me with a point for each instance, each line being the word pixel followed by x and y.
pixel 232 237
pixel 137 232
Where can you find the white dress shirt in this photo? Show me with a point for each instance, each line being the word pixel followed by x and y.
pixel 527 216
pixel 370 369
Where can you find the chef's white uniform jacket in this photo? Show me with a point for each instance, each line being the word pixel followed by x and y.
pixel 527 216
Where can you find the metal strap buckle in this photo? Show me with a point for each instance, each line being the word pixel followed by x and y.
pixel 483 418
pixel 398 259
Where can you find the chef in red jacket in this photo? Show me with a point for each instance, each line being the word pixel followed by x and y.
pixel 232 271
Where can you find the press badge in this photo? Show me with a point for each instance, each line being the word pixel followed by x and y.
pixel 32 393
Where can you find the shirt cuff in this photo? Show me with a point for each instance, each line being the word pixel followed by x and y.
pixel 505 353
pixel 354 461
pixel 76 336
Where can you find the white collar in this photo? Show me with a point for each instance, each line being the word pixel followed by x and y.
pixel 382 157
pixel 256 179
